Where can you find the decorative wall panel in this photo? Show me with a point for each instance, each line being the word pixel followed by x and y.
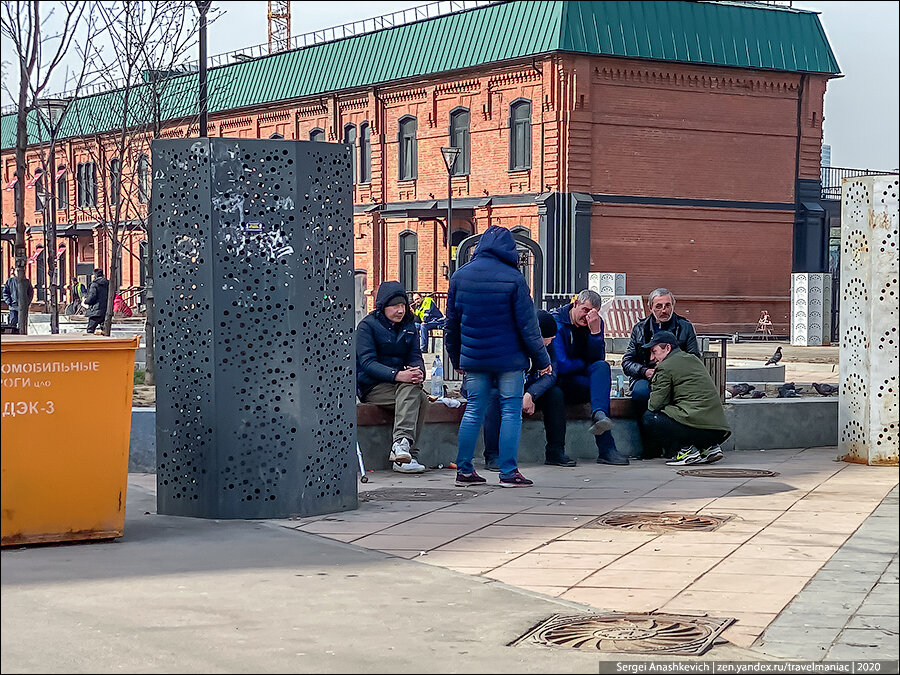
pixel 870 350
pixel 253 246
pixel 811 309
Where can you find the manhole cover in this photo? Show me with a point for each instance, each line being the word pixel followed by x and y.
pixel 628 633
pixel 658 522
pixel 724 472
pixel 419 494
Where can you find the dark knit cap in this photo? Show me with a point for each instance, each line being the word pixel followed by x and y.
pixel 398 299
pixel 547 324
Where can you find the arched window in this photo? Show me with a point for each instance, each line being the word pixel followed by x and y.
pixel 520 135
pixel 86 194
pixel 407 148
pixel 365 153
pixel 350 139
pixel 459 138
pixel 143 178
pixel 38 189
pixel 62 188
pixel 317 135
pixel 409 260
pixel 526 262
pixel 115 180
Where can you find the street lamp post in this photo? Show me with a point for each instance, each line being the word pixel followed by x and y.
pixel 450 156
pixel 203 8
pixel 50 112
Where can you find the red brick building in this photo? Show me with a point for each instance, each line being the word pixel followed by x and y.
pixel 677 142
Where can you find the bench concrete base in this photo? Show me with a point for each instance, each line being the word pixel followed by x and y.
pixel 762 424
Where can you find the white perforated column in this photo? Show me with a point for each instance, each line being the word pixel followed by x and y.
pixel 607 284
pixel 811 309
pixel 868 409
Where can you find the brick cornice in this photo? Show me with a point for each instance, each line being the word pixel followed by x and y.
pixel 671 78
pixel 238 122
pixel 514 77
pixel 353 104
pixel 405 95
pixel 459 87
pixel 275 116
pixel 311 109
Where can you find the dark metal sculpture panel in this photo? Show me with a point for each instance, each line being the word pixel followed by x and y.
pixel 256 414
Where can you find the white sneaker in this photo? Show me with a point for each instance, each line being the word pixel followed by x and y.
pixel 412 466
pixel 400 452
pixel 688 455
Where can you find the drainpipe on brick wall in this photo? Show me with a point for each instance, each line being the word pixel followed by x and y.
pixel 541 105
pixel 380 115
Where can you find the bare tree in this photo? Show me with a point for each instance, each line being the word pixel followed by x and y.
pixel 40 53
pixel 144 66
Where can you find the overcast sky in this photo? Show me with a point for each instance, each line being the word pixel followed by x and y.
pixel 861 108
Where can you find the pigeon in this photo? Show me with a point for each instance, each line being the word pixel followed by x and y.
pixel 775 358
pixel 785 391
pixel 825 389
pixel 757 394
pixel 740 390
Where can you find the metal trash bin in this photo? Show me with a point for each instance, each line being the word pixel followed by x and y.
pixel 66 423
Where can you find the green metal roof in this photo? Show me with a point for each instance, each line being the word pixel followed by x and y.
pixel 711 33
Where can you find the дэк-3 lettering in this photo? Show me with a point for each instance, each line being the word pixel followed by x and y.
pixel 14 408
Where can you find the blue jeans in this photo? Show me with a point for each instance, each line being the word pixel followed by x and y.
pixel 510 387
pixel 592 386
pixel 423 331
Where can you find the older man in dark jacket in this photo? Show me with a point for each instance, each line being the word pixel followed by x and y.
pixel 390 371
pixel 492 336
pixel 636 362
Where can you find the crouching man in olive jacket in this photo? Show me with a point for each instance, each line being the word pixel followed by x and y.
pixel 684 414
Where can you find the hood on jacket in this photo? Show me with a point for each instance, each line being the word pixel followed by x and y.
pixel 388 290
pixel 499 242
pixel 102 281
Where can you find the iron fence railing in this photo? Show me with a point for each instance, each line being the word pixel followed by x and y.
pixel 833 175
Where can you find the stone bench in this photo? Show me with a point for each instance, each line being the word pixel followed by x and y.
pixel 438 442
pixel 761 424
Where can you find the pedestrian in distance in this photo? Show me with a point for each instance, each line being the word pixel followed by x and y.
pixel 684 414
pixel 492 336
pixel 11 297
pixel 95 301
pixel 584 374
pixel 541 393
pixel 390 371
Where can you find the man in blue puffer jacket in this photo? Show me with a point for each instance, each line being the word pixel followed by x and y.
pixel 584 375
pixel 390 371
pixel 492 336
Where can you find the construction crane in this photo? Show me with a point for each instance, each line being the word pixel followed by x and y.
pixel 279 26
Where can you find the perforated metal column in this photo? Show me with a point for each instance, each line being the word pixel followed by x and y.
pixel 255 402
pixel 868 416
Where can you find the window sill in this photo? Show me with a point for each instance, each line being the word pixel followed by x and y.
pixel 524 171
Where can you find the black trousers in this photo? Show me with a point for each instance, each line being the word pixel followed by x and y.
pixel 553 409
pixel 93 322
pixel 669 436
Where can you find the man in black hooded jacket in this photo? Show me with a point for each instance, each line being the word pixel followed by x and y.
pixel 390 371
pixel 95 301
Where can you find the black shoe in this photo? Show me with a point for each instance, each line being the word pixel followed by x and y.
pixel 491 464
pixel 560 459
pixel 612 456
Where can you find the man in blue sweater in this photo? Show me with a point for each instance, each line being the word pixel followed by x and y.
pixel 584 374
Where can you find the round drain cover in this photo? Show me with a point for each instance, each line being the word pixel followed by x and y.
pixel 723 472
pixel 630 633
pixel 659 522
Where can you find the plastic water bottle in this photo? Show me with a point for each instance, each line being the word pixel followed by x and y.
pixel 437 377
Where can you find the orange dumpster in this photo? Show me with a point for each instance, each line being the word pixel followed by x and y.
pixel 66 422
